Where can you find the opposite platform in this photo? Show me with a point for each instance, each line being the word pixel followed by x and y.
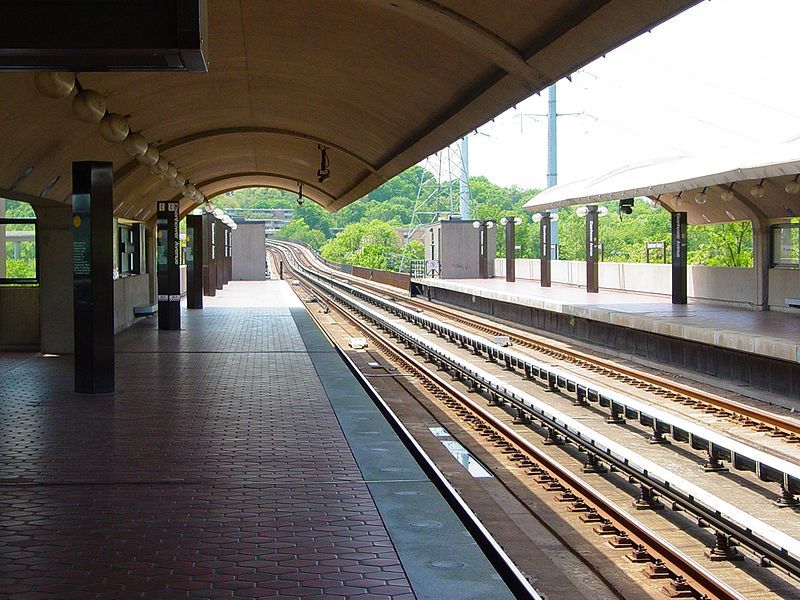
pixel 599 318
pixel 220 468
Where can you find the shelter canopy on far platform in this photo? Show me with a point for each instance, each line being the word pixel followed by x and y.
pixel 761 189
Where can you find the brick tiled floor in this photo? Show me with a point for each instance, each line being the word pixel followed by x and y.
pixel 217 470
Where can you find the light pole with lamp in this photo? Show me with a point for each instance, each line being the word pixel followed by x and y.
pixel 591 213
pixel 483 254
pixel 545 221
pixel 509 223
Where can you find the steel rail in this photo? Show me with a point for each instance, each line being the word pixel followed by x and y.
pixel 700 579
pixel 775 425
pixel 741 456
pixel 769 544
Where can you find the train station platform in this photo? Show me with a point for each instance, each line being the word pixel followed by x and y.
pixel 239 458
pixel 758 348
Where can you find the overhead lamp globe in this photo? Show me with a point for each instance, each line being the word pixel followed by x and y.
pixel 135 144
pixel 218 212
pixel 602 211
pixel 114 128
pixel 503 221
pixel 757 191
pixel 476 224
pixel 489 224
pixel 727 195
pixel 89 106
pixel 54 85
pixel 582 211
pixel 792 187
pixel 537 217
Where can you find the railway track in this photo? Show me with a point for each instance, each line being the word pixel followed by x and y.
pixel 771 425
pixel 584 496
pixel 660 560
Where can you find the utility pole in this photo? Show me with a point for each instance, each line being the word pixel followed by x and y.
pixel 463 181
pixel 552 156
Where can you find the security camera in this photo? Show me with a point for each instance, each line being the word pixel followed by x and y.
pixel 300 201
pixel 323 174
pixel 626 206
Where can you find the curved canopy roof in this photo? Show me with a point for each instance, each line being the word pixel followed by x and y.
pixel 380 83
pixel 733 189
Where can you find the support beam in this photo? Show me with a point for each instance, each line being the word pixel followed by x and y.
pixel 168 265
pixel 679 258
pixel 761 264
pixel 544 232
pixel 194 261
pixel 93 283
pixel 592 261
pixel 511 249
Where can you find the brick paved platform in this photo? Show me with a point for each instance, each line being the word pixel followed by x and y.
pixel 219 469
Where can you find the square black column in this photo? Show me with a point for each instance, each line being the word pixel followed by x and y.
pixel 92 272
pixel 511 249
pixel 194 261
pixel 483 252
pixel 210 256
pixel 592 263
pixel 544 231
pixel 679 259
pixel 168 265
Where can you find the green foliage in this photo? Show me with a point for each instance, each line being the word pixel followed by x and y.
pixel 20 268
pixel 366 243
pixel 722 245
pixel 299 231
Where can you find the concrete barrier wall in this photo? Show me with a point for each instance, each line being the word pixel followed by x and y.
pixel 248 253
pixel 19 318
pixel 718 284
pixel 783 284
pixel 129 292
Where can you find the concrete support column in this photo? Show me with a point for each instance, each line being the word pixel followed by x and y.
pixel 592 262
pixel 545 232
pixel 483 252
pixel 219 253
pixel 679 258
pixel 168 265
pixel 761 264
pixel 194 261
pixel 511 251
pixel 56 316
pixel 92 272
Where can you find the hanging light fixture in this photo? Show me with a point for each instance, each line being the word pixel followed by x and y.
pixel 300 198
pixel 792 187
pixel 89 106
pixel 701 197
pixel 149 157
pixel 728 194
pixel 114 128
pixel 757 191
pixel 55 85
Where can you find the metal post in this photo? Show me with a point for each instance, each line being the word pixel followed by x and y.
pixel 463 183
pixel 544 230
pixel 210 256
pixel 552 154
pixel 194 261
pixel 511 253
pixel 592 263
pixel 93 283
pixel 679 259
pixel 168 265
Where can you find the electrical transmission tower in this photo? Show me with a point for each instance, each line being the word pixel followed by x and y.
pixel 443 190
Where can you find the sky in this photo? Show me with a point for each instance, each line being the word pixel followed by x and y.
pixel 720 78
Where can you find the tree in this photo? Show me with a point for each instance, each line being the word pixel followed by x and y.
pixel 299 231
pixel 367 243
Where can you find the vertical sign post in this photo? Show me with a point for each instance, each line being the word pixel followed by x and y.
pixel 544 230
pixel 92 272
pixel 592 262
pixel 210 257
pixel 483 263
pixel 679 262
pixel 168 265
pixel 194 261
pixel 511 249
pixel 219 253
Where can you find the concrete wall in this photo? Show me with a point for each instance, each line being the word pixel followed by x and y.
pixel 19 318
pixel 54 230
pixel 783 284
pixel 718 284
pixel 248 254
pixel 129 292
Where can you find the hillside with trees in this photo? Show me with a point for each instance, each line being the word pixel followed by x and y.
pixel 365 230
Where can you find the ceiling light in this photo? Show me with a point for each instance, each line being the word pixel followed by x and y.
pixel 114 128
pixel 757 191
pixel 179 181
pixel 701 197
pixel 149 157
pixel 160 167
pixel 537 217
pixel 171 172
pixel 55 85
pixel 89 106
pixel 135 145
pixel 728 194
pixel 582 211
pixel 793 186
